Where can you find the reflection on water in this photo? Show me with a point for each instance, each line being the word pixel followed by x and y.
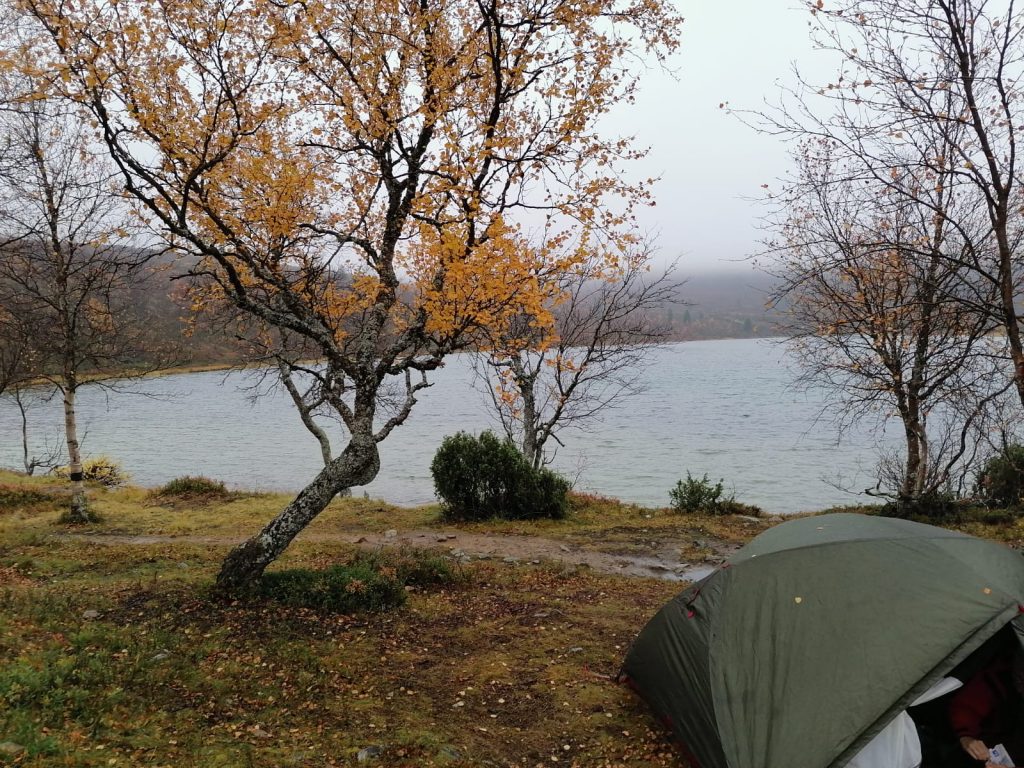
pixel 721 407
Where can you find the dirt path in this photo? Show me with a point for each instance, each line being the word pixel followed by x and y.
pixel 512 549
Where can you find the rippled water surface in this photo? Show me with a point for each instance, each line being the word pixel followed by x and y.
pixel 721 407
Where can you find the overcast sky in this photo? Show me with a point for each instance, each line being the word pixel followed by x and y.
pixel 738 52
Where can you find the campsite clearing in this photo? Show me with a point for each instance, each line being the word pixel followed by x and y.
pixel 119 655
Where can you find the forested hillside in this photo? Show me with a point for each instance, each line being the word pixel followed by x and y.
pixel 712 305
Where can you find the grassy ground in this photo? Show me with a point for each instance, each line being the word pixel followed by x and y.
pixel 122 655
pixel 595 522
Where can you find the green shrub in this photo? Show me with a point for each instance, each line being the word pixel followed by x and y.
pixel 487 477
pixel 1001 480
pixel 342 588
pixel 190 486
pixel 99 469
pixel 412 567
pixel 937 507
pixel 693 495
pixel 372 581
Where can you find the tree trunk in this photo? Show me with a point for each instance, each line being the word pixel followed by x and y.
pixel 358 464
pixel 922 468
pixel 1007 295
pixel 79 510
pixel 531 450
pixel 526 381
pixel 911 489
pixel 30 465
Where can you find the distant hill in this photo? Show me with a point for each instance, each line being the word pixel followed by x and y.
pixel 712 305
pixel 722 305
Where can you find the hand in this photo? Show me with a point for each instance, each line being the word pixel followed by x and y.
pixel 974 747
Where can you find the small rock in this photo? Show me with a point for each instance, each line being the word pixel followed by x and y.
pixel 576 649
pixel 541 614
pixel 90 614
pixel 535 562
pixel 458 553
pixel 162 654
pixel 369 753
pixel 442 538
pixel 184 566
pixel 259 733
pixel 10 749
pixel 510 559
pixel 451 536
pixel 391 533
pixel 563 547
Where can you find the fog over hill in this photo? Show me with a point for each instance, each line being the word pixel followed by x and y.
pixel 723 304
pixel 711 304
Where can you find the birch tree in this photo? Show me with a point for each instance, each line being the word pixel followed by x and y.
pixel 286 145
pixel 882 311
pixel 67 262
pixel 932 87
pixel 606 323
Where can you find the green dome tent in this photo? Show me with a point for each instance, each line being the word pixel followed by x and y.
pixel 813 637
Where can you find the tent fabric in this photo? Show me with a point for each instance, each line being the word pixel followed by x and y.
pixel 810 640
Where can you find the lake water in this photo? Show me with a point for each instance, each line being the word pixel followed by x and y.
pixel 726 408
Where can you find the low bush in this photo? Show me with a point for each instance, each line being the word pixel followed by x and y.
pixel 938 507
pixel 413 567
pixel 1001 480
pixel 191 486
pixel 486 477
pixel 701 495
pixel 732 507
pixel 371 582
pixel 341 588
pixel 99 469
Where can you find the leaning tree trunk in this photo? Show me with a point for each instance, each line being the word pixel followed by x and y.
pixel 358 464
pixel 79 510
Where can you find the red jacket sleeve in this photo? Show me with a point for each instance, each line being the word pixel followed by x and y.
pixel 971 706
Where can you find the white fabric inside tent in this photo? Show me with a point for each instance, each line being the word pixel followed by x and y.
pixel 897 745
